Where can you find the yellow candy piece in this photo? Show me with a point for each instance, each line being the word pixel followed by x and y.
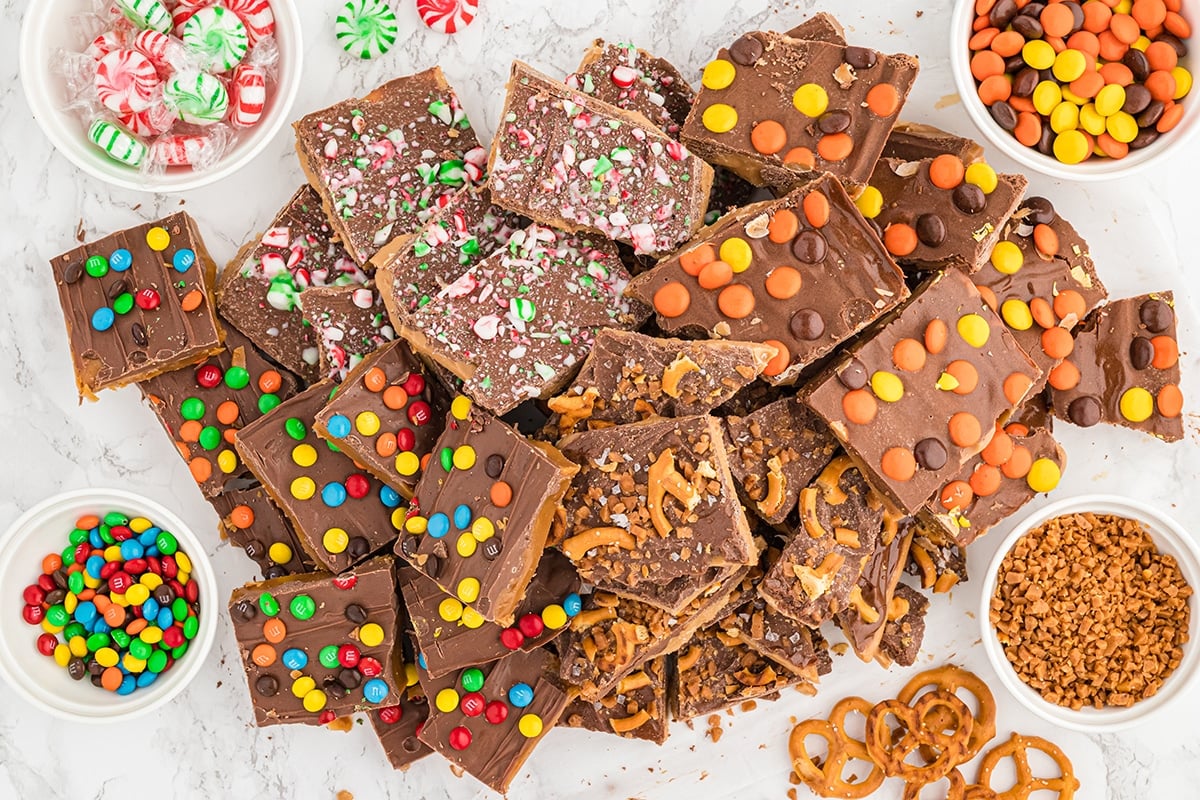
pixel 137 594
pixel 554 616
pixel 450 610
pixel 62 655
pixel 303 488
pixel 407 463
pixel 1064 117
pixel 78 646
pixel 71 602
pixel 314 701
pixel 947 382
pixel 1091 120
pixel 280 553
pixel 112 553
pixel 1069 65
pixel 471 619
pixel 158 239
pixel 397 519
pixel 151 581
pixel 335 541
pixel 1070 147
pixel 227 461
pixel 460 408
pixel 1071 97
pixel 304 455
pixel 982 175
pixel 1110 99
pixel 811 100
pixel 119 599
pixel 1123 7
pixel 464 457
pixel 466 545
pixel 303 685
pixel 1038 54
pixel 482 529
pixel 140 524
pixel 1142 42
pixel 182 561
pixel 887 387
pixel 1183 82
pixel 468 590
pixel 1122 127
pixel 106 657
pixel 411 676
pixel 1007 258
pixel 1016 314
pixel 416 524
pixel 1044 475
pixel 49 627
pixel 94 583
pixel 736 253
pixel 870 202
pixel 974 330
pixel 530 725
pixel 133 664
pixel 371 634
pixel 719 118
pixel 446 700
pixel 718 74
pixel 1046 97
pixel 1137 404
pixel 367 423
pixel 151 634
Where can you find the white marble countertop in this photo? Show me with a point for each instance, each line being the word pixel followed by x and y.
pixel 206 745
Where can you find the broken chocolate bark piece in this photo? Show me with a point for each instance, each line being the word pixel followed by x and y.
pixel 350 323
pixel 936 559
pixel 797 648
pixel 905 628
pixel 397 727
pixel 136 303
pixel 636 708
pixel 865 616
pixel 255 524
pixel 913 141
pixel 821 27
pixel 636 81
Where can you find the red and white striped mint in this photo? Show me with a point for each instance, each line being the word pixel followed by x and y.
pixel 178 150
pixel 247 95
pixel 256 15
pixel 150 122
pixel 126 81
pixel 152 44
pixel 104 44
pixel 447 16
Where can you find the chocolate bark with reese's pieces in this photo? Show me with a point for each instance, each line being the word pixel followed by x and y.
pixel 629 377
pixel 565 159
pixel 255 524
pixel 913 141
pixel 774 453
pixel 905 629
pixel 259 289
pixel 911 429
pixel 458 638
pixel 821 27
pixel 201 406
pixel 828 107
pixel 636 708
pixel 339 512
pixel 493 751
pixel 653 504
pixel 386 415
pixel 381 163
pixel 802 273
pixel 1127 355
pixel 517 325
pixel 482 510
pixel 321 616
pixel 124 297
pixel 865 616
pixel 350 322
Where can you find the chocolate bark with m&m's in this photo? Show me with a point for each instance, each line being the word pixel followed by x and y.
pixel 255 524
pixel 136 303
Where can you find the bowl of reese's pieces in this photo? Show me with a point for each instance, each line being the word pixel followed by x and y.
pixel 1089 612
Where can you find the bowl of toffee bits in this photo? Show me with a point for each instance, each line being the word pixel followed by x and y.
pixel 1089 612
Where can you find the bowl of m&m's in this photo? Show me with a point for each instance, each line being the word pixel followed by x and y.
pixel 161 96
pixel 106 605
pixel 1077 89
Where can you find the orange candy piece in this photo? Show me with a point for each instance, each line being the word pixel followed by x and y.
pixel 909 355
pixel 1125 28
pixel 111 679
pixel 985 64
pixel 801 156
pixel 898 464
pixel 900 239
pixel 768 137
pixel 274 631
pixel 114 615
pixel 1166 352
pixel 385 444
pixel 986 480
pixel 956 495
pixel 1161 85
pixel 395 398
pixel 859 406
pixel 1161 56
pixel 1149 13
pixel 1008 43
pixel 735 302
pixel 1176 24
pixel 714 275
pixel 241 517
pixel 375 380
pixel 694 260
pixel 1170 401
pixel 780 361
pixel 1088 85
pixel 936 334
pixel 1016 386
pixel 1057 20
pixel 835 146
pixel 964 429
pixel 1042 312
pixel 1170 118
pixel 1111 48
pixel 1116 73
pixel 1057 342
pixel 1018 466
pixel 136 626
pixel 946 171
pixel 263 655
pixel 883 100
pixel 501 494
pixel 783 283
pixel 816 209
pixel 989 297
pixel 270 381
pixel 228 412
pixel 1085 42
pixel 189 431
pixel 783 227
pixel 1064 377
pixel 965 373
pixel 201 469
pixel 1069 303
pixel 192 300
pixel 982 40
pixel 999 450
pixel 995 89
pixel 1028 129
pixel 672 300
pixel 1096 15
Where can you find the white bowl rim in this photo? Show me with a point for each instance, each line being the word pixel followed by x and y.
pixel 1090 720
pixel 33 23
pixel 185 672
pixel 1088 171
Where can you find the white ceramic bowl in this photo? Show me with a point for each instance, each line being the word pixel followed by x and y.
pixel 43 529
pixel 1170 143
pixel 46 30
pixel 1169 538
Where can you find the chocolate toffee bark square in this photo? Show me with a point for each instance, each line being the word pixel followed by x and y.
pixel 802 274
pixel 468 228
pixel 487 719
pixel 201 407
pixel 775 109
pixel 652 507
pixel 482 510
pixel 518 324
pixel 940 212
pixel 905 629
pixel 1040 279
pixel 865 615
pixel 920 395
pixel 1126 369
pixel 1014 468
pixel 255 524
pixel 840 524
pixel 317 646
pixel 350 323
pixel 387 415
pixel 382 163
pixel 565 159
pixel 635 709
pixel 452 635
pixel 340 513
pixel 397 727
pixel 136 303
pixel 635 81
pixel 259 289
pixel 629 377
pixel 774 452
pixel 936 559
pixel 797 648
pixel 821 27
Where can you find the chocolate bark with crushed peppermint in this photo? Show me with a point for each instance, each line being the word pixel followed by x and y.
pixel 382 163
pixel 636 708
pixel 294 636
pixel 350 322
pixel 259 289
pixel 653 504
pixel 807 273
pixel 629 376
pixel 903 634
pixel 255 524
pixel 566 159
pixel 855 95
pixel 136 303
pixel 774 453
pixel 840 525
pixel 1040 276
pixel 1127 359
pixel 340 513
pixel 797 648
pixel 386 415
pixel 864 618
pixel 482 510
pixel 518 324
pixel 633 80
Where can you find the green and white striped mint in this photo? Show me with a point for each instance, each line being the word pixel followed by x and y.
pixel 216 37
pixel 196 97
pixel 147 14
pixel 118 143
pixel 366 28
